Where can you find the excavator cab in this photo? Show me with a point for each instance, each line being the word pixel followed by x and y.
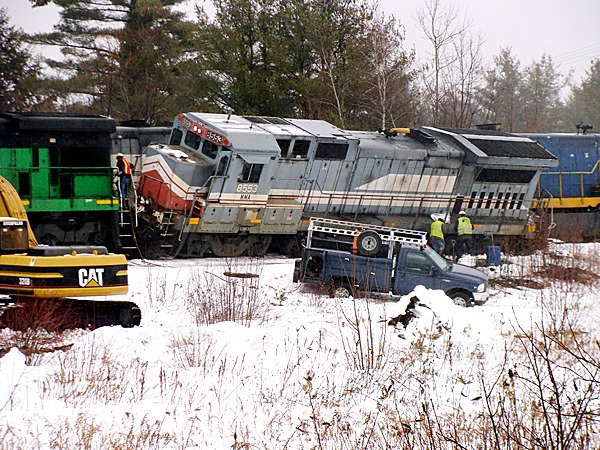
pixel 13 235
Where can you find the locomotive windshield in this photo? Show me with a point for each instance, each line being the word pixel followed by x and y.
pixel 176 137
pixel 192 140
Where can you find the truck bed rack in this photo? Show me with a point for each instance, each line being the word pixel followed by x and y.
pixel 345 232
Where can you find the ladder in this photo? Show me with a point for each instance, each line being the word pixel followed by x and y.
pixel 167 233
pixel 127 239
pixel 388 235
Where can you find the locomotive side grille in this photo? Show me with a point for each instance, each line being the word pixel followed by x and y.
pixel 511 149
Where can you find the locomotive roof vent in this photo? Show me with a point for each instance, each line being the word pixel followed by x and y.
pixel 489 126
pixel 421 136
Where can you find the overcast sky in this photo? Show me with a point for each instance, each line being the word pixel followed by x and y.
pixel 567 30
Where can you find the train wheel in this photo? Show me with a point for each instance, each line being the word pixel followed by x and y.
pixel 368 243
pixel 98 239
pixel 49 239
pixel 195 247
pixel 226 246
pixel 259 246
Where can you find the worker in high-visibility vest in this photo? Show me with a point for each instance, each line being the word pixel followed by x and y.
pixel 436 235
pixel 464 230
pixel 124 168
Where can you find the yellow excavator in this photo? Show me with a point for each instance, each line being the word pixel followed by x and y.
pixel 30 272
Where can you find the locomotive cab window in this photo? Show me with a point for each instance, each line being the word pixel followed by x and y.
pixel 192 140
pixel 251 173
pixel 300 149
pixel 176 137
pixel 222 168
pixel 331 150
pixel 210 149
pixel 284 145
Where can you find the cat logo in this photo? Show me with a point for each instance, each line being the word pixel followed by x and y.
pixel 91 277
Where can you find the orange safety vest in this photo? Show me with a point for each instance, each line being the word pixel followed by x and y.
pixel 126 167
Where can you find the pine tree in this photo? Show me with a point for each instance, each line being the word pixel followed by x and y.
pixel 499 97
pixel 19 73
pixel 583 106
pixel 540 95
pixel 120 57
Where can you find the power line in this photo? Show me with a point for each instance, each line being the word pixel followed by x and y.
pixel 587 53
pixel 578 50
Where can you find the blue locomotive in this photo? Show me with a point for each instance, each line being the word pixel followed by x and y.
pixel 569 194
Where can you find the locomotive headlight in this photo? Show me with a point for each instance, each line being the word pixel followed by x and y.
pixel 481 288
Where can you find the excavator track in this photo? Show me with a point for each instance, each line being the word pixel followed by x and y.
pixel 61 314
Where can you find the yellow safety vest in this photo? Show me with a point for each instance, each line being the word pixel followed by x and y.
pixel 464 226
pixel 436 229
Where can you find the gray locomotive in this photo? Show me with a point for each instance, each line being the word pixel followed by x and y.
pixel 228 185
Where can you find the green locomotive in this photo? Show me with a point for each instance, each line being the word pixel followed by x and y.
pixel 60 164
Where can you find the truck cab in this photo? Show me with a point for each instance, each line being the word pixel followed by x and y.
pixel 394 261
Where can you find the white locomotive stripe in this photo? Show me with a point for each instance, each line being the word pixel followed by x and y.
pixel 398 182
pixel 177 185
pixel 239 198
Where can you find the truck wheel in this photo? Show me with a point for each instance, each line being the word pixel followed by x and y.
pixel 461 299
pixel 368 243
pixel 341 289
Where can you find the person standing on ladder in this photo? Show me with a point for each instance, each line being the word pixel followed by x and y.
pixel 464 230
pixel 124 168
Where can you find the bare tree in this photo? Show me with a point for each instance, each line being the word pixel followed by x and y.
pixel 455 62
pixel 461 82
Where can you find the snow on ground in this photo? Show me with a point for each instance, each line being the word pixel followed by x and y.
pixel 298 370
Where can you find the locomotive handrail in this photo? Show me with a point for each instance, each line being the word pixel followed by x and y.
pixel 580 172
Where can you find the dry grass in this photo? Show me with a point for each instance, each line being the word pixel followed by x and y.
pixel 345 384
pixel 230 296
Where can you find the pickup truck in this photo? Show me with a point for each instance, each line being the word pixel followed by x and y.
pixel 399 271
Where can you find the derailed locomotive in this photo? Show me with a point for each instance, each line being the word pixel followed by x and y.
pixel 60 166
pixel 228 185
pixel 218 184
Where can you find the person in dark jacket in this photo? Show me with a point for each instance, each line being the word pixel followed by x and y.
pixel 124 168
